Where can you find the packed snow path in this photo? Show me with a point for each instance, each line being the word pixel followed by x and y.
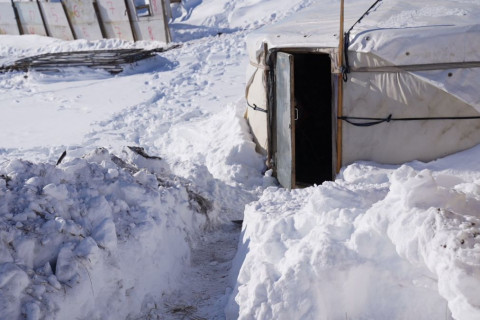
pixel 204 289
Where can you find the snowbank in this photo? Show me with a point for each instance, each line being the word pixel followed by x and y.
pixel 378 243
pixel 93 238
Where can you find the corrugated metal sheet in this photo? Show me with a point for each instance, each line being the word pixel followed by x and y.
pixel 8 23
pixel 30 18
pixel 115 20
pixel 83 19
pixel 109 60
pixel 152 26
pixel 56 20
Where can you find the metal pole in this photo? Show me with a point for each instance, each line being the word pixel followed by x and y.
pixel 340 91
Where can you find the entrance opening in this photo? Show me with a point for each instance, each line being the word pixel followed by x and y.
pixel 313 119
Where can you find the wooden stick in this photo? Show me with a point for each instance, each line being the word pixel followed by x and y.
pixel 340 92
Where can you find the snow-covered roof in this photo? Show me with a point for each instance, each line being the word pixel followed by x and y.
pixel 394 33
pixel 432 31
pixel 317 26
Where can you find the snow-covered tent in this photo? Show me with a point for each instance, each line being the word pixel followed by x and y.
pixel 412 89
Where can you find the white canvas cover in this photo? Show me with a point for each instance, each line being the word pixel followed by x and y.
pixel 402 95
pixel 408 58
pixel 8 23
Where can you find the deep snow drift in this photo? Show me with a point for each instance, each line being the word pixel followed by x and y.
pixel 378 243
pixel 113 234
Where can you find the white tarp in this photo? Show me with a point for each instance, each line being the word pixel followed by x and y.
pixel 115 19
pixel 30 18
pixel 461 83
pixel 403 95
pixel 8 23
pixel 83 19
pixel 56 20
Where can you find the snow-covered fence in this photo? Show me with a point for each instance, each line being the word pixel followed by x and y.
pixel 83 19
pixel 30 18
pixel 131 20
pixel 149 20
pixel 8 22
pixel 56 21
pixel 114 17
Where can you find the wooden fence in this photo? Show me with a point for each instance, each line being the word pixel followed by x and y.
pixel 131 20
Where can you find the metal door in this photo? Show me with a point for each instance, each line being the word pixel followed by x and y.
pixel 285 124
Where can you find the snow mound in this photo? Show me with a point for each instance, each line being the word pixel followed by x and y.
pixel 95 237
pixel 379 243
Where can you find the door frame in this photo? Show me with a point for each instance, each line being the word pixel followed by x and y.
pixel 272 83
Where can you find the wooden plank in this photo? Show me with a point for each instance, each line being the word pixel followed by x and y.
pixel 340 94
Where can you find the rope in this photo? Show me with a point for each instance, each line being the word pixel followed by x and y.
pixel 365 124
pixel 254 107
pixel 364 15
pixel 375 121
pixel 346 67
pixel 259 65
pixel 247 89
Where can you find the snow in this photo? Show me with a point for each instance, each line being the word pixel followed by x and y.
pixel 378 243
pixel 114 233
pixel 81 230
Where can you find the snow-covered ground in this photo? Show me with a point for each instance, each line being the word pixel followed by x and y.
pixel 111 233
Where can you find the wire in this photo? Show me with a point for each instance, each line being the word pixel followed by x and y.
pixel 346 67
pixel 254 107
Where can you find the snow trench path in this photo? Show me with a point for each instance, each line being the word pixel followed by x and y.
pixel 204 290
